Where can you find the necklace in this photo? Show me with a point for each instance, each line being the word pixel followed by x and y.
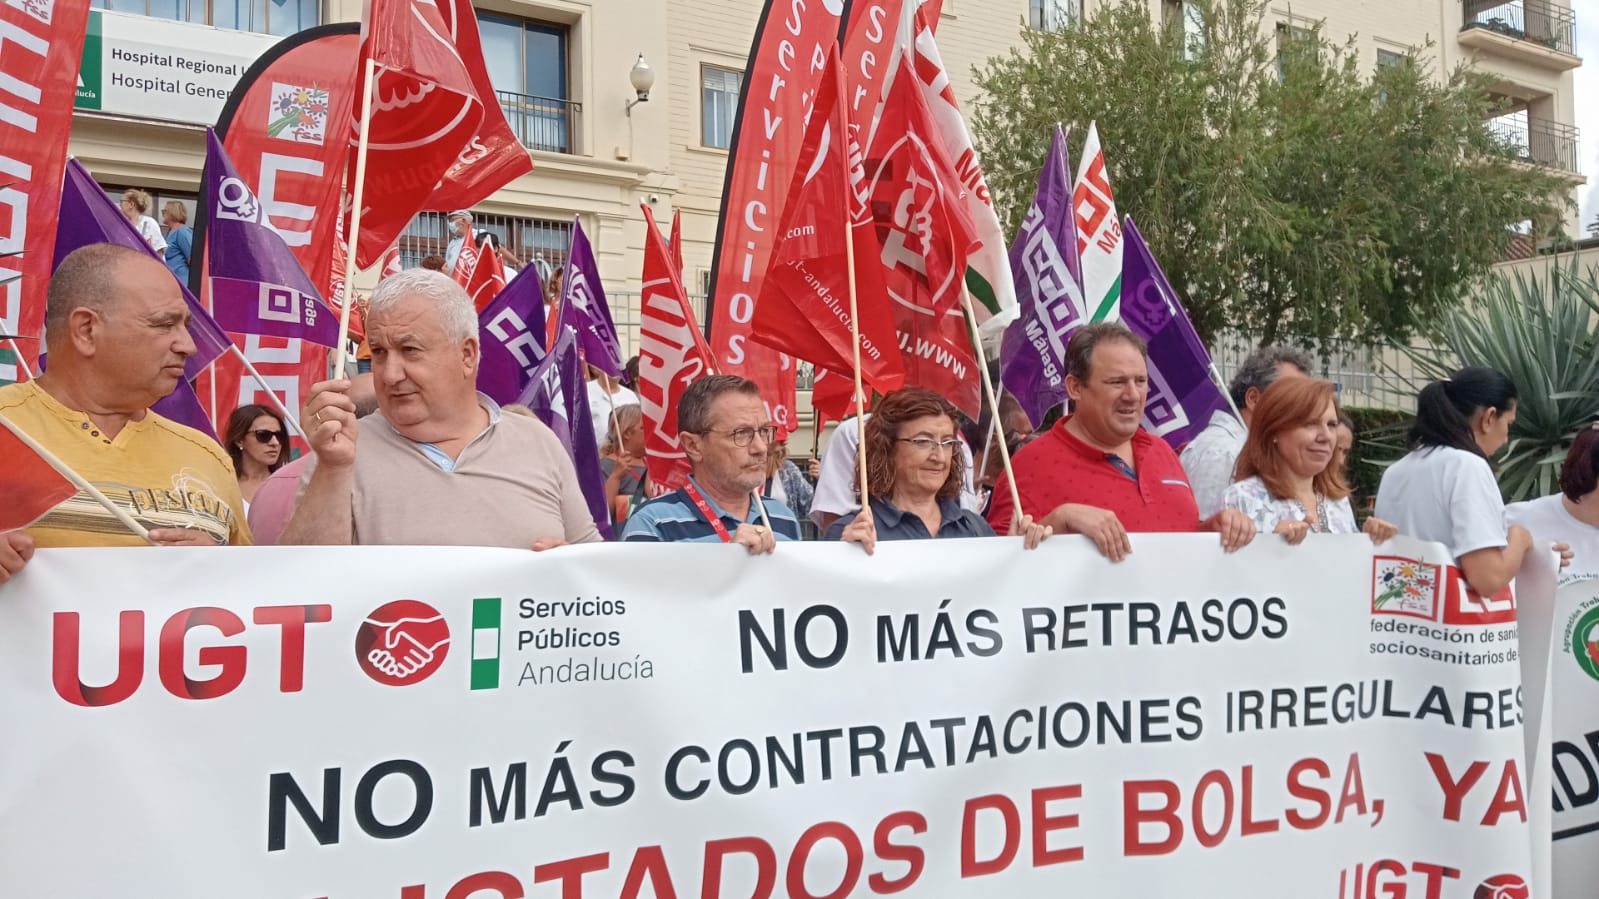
pixel 1320 525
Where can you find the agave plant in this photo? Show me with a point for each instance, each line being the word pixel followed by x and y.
pixel 1542 333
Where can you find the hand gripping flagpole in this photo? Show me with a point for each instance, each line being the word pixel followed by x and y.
pixel 355 218
pixel 78 481
pixel 993 399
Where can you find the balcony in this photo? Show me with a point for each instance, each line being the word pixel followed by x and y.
pixel 541 123
pixel 1533 31
pixel 1552 145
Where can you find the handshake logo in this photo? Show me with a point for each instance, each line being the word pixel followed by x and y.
pixel 402 642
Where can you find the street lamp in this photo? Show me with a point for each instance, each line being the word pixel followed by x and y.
pixel 642 77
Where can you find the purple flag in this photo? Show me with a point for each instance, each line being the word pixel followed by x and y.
pixel 1182 395
pixel 257 286
pixel 1049 291
pixel 511 337
pixel 88 216
pixel 183 407
pixel 589 315
pixel 558 394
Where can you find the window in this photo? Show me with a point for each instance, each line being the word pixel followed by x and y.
pixel 280 17
pixel 1292 39
pixel 1192 21
pixel 536 242
pixel 1054 15
pixel 527 65
pixel 718 105
pixel 1388 59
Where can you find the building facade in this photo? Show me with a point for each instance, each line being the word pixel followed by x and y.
pixel 561 70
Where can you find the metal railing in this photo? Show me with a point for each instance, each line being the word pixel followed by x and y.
pixel 542 123
pixel 1539 21
pixel 1545 143
pixel 537 242
pixel 1378 376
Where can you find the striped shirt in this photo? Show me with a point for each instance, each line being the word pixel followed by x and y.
pixel 674 518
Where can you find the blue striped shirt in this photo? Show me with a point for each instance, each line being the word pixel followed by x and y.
pixel 674 518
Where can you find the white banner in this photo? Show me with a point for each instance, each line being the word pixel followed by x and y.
pixel 1574 683
pixel 961 719
pixel 162 69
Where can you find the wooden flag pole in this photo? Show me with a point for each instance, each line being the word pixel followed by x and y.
pixel 855 342
pixel 287 415
pixel 78 481
pixel 993 398
pixel 355 218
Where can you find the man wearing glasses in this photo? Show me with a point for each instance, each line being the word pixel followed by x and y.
pixel 725 432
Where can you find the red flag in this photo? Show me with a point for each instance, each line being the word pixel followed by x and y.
pixel 487 278
pixel 466 260
pixel 287 135
pixel 31 486
pixel 494 157
pixel 804 305
pixel 765 149
pixel 833 397
pixel 425 112
pixel 677 241
pixel 672 354
pixel 391 263
pixel 39 57
pixel 926 237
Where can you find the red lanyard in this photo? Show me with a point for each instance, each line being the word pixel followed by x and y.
pixel 705 509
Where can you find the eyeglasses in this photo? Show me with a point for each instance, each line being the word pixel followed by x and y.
pixel 265 436
pixel 927 445
pixel 746 436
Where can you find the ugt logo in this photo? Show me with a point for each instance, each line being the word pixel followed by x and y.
pixel 402 642
pixel 1503 886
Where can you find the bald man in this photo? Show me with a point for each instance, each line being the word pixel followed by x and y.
pixel 118 337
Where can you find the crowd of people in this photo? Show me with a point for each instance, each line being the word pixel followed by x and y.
pixel 408 451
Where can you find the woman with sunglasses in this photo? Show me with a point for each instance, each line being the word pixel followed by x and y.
pixel 914 471
pixel 258 444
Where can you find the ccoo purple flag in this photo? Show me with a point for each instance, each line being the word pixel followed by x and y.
pixel 587 313
pixel 1049 291
pixel 1182 395
pixel 88 216
pixel 511 337
pixel 257 286
pixel 558 394
pixel 183 407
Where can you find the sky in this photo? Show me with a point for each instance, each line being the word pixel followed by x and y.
pixel 1587 90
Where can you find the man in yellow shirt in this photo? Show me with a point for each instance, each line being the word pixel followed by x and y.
pixel 117 333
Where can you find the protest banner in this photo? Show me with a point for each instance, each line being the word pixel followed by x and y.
pixel 1574 691
pixel 959 718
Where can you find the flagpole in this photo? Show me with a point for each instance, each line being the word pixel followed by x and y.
pixel 993 398
pixel 355 218
pixel 855 343
pixel 287 415
pixel 21 359
pixel 78 481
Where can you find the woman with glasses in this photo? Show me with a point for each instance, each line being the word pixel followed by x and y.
pixel 914 471
pixel 258 444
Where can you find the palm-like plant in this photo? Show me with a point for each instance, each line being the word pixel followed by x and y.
pixel 1542 333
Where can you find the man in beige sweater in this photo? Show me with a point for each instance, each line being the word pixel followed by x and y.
pixel 438 464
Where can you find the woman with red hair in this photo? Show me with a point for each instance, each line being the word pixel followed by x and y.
pixel 1285 480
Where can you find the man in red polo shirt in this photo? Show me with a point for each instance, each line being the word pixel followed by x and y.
pixel 1097 473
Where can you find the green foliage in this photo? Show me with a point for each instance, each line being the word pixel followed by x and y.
pixel 1542 333
pixel 1379 440
pixel 1291 195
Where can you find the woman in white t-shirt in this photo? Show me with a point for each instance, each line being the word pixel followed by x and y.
pixel 1444 489
pixel 1571 516
pixel 136 206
